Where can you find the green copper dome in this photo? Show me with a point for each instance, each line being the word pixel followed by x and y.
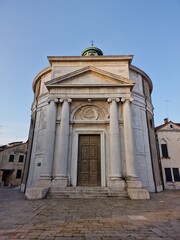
pixel 92 51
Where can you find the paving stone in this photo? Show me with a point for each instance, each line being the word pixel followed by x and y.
pixel 105 218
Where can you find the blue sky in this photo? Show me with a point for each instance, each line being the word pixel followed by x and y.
pixel 32 30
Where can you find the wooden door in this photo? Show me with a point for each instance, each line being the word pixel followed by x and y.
pixel 89 165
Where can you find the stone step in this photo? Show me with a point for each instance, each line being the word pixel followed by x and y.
pixel 86 192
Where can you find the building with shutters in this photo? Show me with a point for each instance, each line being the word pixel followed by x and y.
pixel 168 135
pixel 92 129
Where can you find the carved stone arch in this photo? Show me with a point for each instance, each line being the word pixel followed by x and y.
pixel 73 112
pixel 89 112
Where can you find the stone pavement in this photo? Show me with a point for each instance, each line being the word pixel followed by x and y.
pixel 103 218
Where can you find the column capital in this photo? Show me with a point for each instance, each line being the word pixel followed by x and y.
pixel 49 99
pixel 130 99
pixel 109 100
pixel 56 100
pixel 61 100
pixel 69 100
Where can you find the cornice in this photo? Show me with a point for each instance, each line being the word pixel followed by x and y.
pixel 123 82
pixel 90 58
pixel 90 69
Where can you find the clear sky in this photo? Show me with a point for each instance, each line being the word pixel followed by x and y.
pixel 32 30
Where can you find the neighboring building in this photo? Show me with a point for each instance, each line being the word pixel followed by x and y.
pixel 92 127
pixel 168 135
pixel 12 160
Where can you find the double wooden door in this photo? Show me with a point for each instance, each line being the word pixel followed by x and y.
pixel 89 164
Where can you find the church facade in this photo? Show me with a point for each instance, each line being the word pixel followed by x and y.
pixel 92 127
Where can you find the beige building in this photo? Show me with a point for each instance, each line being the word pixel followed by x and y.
pixel 92 128
pixel 168 135
pixel 12 160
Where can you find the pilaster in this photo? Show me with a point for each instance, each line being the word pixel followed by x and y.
pixel 46 171
pixel 133 184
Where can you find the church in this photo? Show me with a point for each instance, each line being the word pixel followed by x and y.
pixel 92 129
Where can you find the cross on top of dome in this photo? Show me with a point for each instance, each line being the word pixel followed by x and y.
pixel 92 50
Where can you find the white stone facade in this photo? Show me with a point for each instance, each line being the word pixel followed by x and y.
pixel 101 96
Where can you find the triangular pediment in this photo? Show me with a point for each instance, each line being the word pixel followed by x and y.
pixel 169 126
pixel 89 76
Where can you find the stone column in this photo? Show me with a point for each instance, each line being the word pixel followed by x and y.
pixel 60 178
pixel 49 142
pixel 115 152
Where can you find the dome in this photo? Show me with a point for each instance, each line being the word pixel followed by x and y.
pixel 92 51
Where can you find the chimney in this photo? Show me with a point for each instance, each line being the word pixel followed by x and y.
pixel 166 120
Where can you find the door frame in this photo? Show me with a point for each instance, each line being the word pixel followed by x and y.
pixel 98 159
pixel 74 155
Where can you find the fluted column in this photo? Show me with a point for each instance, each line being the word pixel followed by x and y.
pixel 128 139
pixel 49 140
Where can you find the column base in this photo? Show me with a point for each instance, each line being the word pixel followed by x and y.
pixel 60 182
pixel 36 193
pixel 138 193
pixel 133 182
pixel 44 181
pixel 116 183
pixel 134 189
pixel 40 190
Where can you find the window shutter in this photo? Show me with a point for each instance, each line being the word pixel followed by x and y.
pixel 168 175
pixel 164 151
pixel 176 174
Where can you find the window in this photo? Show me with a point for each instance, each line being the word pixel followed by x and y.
pixel 176 174
pixel 164 150
pixel 18 174
pixel 21 158
pixel 168 175
pixel 11 158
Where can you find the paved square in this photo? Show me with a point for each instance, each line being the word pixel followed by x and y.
pixel 103 218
